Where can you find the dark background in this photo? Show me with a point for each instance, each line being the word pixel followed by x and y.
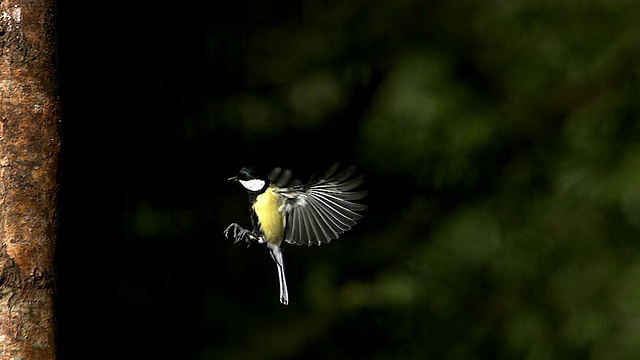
pixel 499 141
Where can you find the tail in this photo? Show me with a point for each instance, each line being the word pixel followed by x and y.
pixel 276 254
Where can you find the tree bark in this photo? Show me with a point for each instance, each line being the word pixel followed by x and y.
pixel 29 151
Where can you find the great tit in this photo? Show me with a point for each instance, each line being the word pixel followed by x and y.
pixel 283 209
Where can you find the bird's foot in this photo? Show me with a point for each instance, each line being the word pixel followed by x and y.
pixel 239 234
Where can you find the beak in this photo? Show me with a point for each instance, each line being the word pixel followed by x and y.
pixel 233 178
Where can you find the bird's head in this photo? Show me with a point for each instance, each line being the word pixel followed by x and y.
pixel 248 178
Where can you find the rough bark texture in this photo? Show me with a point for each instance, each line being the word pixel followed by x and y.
pixel 29 148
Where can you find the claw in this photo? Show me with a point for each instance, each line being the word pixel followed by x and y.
pixel 239 234
pixel 226 231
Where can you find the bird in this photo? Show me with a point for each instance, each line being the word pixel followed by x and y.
pixel 284 210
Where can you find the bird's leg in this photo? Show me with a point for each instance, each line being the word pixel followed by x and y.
pixel 276 254
pixel 239 234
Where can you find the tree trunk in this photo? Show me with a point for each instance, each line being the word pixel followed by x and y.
pixel 29 149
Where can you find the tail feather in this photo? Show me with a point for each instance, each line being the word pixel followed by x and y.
pixel 276 254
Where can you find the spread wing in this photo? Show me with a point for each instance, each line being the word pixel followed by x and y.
pixel 321 210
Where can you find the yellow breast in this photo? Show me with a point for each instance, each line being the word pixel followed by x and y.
pixel 270 221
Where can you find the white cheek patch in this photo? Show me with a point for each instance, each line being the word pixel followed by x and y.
pixel 253 185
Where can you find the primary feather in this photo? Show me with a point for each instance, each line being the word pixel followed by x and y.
pixel 321 210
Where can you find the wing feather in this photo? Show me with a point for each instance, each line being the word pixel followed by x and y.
pixel 309 227
pixel 322 233
pixel 298 229
pixel 306 237
pixel 343 206
pixel 333 226
pixel 321 210
pixel 337 222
